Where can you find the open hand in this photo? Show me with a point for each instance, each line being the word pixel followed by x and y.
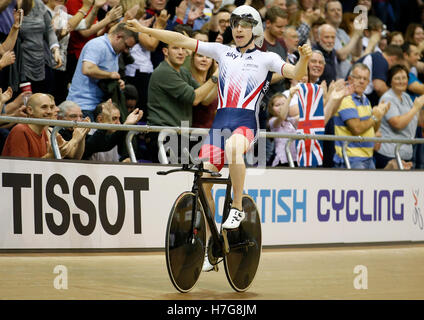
pixel 419 102
pixel 180 11
pixel 134 116
pixel 146 22
pixel 57 58
pixel 79 133
pixel 131 13
pixel 162 19
pixel 5 96
pixel 216 4
pixel 194 13
pixel 380 110
pixel 114 14
pixel 7 59
pixel 340 90
pixel 106 114
pixel 20 112
pixel 17 18
pixel 293 91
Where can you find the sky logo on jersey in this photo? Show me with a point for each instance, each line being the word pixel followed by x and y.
pixel 232 55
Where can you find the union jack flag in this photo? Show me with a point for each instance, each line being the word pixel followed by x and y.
pixel 311 121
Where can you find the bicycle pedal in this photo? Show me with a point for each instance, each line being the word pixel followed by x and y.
pixel 232 230
pixel 215 268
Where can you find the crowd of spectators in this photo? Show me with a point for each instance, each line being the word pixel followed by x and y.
pixel 76 60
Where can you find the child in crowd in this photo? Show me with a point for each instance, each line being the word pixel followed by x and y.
pixel 280 121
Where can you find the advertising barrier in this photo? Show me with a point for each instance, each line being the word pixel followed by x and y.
pixel 63 204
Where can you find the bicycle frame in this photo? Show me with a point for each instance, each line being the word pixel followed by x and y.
pixel 197 189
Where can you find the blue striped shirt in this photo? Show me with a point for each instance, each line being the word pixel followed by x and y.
pixel 353 107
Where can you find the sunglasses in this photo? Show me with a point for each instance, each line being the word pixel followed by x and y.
pixel 244 21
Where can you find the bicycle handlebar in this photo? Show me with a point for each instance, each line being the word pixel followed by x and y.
pixel 190 168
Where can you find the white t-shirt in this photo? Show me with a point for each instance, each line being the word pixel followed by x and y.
pixel 61 21
pixel 141 63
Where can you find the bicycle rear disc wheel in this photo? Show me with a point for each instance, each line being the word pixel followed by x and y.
pixel 185 252
pixel 242 262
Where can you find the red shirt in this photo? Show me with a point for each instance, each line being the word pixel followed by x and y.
pixel 22 141
pixel 203 115
pixel 77 41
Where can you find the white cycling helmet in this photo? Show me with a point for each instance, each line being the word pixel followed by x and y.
pixel 245 12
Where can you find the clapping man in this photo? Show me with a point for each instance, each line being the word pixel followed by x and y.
pixel 356 117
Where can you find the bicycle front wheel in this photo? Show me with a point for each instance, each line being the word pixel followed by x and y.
pixel 242 262
pixel 185 242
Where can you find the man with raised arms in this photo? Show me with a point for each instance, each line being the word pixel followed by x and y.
pixel 244 76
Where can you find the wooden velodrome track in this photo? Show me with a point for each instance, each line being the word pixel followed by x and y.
pixel 392 271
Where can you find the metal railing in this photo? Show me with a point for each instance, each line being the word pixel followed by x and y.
pixel 134 129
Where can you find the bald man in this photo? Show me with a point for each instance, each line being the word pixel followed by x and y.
pixel 326 42
pixel 30 140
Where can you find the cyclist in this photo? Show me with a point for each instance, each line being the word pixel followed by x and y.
pixel 244 76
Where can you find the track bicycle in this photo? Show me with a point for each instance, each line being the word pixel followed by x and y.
pixel 185 241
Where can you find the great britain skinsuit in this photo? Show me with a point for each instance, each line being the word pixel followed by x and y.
pixel 242 83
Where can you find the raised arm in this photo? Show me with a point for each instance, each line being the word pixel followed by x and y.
pixel 204 92
pixel 92 15
pixel 51 38
pixel 358 126
pixel 10 41
pixel 151 43
pixel 351 47
pixel 77 142
pixel 75 20
pixel 169 37
pixel 114 14
pixel 401 121
pixel 337 91
pixel 284 111
pixel 299 70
